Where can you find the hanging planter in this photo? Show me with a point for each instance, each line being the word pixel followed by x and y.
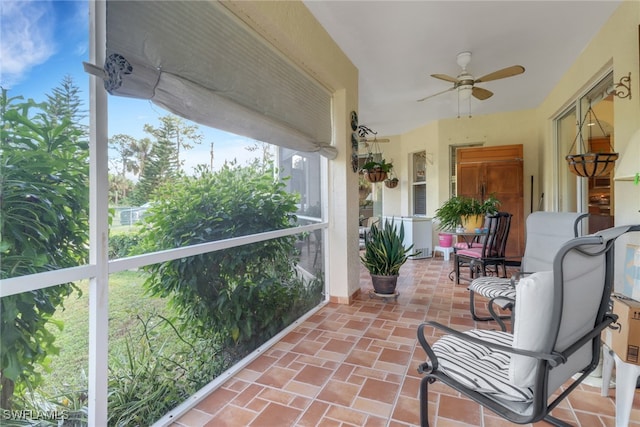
pixel 391 182
pixel 375 175
pixel 376 171
pixel 375 168
pixel 589 164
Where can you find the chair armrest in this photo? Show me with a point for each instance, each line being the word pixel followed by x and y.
pixel 609 318
pixel 554 358
pixel 431 366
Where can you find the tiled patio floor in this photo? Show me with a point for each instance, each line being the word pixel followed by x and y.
pixel 355 365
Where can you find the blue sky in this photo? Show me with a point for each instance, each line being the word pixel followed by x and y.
pixel 43 41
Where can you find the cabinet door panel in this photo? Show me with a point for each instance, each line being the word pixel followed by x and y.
pixel 496 170
pixel 469 179
pixel 503 177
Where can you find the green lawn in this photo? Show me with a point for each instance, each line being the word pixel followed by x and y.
pixel 127 302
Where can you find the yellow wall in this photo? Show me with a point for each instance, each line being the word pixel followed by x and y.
pixel 614 47
pixel 435 139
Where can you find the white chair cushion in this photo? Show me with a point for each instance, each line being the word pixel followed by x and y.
pixel 493 287
pixel 531 325
pixel 479 367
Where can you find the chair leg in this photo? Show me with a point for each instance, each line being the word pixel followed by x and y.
pixel 457 267
pixel 476 269
pixel 472 309
pixel 473 268
pixel 495 316
pixel 556 422
pixel 424 402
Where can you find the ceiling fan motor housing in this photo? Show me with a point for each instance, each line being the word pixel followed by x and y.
pixel 463 59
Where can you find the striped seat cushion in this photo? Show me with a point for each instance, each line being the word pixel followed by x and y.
pixel 493 287
pixel 479 367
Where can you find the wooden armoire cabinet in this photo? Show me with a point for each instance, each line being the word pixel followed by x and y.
pixel 496 170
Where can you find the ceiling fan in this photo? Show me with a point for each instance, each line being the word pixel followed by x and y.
pixel 465 83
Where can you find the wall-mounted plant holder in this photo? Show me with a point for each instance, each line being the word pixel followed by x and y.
pixel 354 141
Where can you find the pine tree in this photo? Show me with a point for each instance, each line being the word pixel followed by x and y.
pixel 174 129
pixel 64 103
pixel 161 166
pixel 163 163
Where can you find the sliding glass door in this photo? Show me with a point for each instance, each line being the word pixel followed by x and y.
pixel 586 126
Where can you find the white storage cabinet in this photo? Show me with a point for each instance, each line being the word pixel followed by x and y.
pixel 418 232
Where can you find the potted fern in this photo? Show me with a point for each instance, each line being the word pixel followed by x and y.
pixel 384 254
pixel 462 211
pixel 475 210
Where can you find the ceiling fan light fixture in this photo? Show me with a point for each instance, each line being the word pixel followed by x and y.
pixel 464 92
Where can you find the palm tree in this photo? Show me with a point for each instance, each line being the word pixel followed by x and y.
pixel 140 150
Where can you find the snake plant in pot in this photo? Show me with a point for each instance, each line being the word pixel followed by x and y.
pixel 384 254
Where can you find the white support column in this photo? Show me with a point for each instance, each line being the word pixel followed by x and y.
pixel 343 267
pixel 98 223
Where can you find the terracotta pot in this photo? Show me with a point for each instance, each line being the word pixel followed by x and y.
pixel 384 284
pixel 375 175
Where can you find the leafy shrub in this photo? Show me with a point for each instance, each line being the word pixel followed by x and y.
pixel 67 407
pixel 141 388
pixel 122 245
pixel 44 225
pixel 244 294
pixel 147 378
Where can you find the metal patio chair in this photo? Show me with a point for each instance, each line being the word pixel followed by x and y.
pixel 561 313
pixel 546 233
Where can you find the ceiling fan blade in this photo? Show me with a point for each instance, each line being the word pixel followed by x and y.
pixel 445 78
pixel 514 70
pixel 374 140
pixel 481 93
pixel 436 94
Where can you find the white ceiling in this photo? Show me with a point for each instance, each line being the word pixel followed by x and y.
pixel 397 45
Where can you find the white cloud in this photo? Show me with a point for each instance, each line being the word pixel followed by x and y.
pixel 78 26
pixel 26 37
